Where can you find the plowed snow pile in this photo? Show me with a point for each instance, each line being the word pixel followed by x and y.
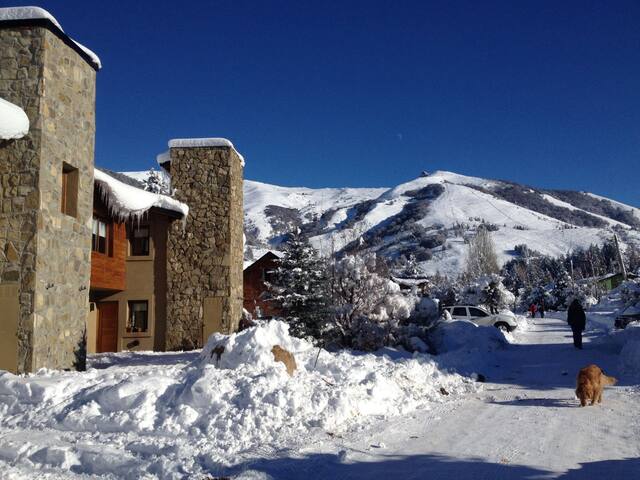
pixel 196 417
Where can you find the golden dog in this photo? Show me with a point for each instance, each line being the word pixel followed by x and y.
pixel 591 382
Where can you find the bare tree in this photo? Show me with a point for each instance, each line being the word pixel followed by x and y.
pixel 481 255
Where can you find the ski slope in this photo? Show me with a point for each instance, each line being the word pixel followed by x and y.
pixel 465 200
pixel 337 217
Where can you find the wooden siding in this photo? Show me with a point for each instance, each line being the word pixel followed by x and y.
pixel 108 272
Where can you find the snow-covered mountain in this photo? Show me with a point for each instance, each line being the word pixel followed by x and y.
pixel 431 216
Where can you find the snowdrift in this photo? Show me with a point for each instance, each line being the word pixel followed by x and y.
pixel 626 343
pixel 465 346
pixel 217 407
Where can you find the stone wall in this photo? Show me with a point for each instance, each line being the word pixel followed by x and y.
pixel 205 254
pixel 21 53
pixel 43 250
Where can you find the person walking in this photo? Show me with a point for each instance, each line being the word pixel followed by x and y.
pixel 541 309
pixel 577 320
pixel 532 310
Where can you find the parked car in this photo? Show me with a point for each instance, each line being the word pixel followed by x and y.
pixel 628 315
pixel 479 316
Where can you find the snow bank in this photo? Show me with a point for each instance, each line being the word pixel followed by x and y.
pixel 251 347
pixel 209 411
pixel 464 335
pixel 626 343
pixel 125 201
pixel 37 13
pixel 465 347
pixel 14 123
pixel 203 142
pixel 622 300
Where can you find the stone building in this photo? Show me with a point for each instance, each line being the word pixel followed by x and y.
pixel 57 269
pixel 47 193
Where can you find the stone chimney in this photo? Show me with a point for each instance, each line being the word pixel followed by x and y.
pixel 205 254
pixel 45 233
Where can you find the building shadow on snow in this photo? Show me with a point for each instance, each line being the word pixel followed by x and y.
pixel 137 359
pixel 418 467
pixel 626 468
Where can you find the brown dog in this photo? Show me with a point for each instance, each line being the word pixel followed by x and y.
pixel 286 357
pixel 591 382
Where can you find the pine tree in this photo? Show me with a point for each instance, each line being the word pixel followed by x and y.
pixel 561 287
pixel 408 266
pixel 300 288
pixel 154 183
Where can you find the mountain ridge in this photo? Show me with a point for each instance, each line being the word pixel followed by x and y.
pixel 432 217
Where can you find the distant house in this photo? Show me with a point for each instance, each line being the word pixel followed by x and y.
pixel 421 284
pixel 612 280
pixel 606 282
pixel 256 294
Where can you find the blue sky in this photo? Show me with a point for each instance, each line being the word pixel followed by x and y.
pixel 371 93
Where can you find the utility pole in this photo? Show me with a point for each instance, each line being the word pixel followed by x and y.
pixel 571 262
pixel 623 270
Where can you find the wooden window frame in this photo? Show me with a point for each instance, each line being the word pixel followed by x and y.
pixel 69 196
pixel 108 237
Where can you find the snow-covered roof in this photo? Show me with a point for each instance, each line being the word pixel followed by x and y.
pixel 409 282
pixel 126 201
pixel 14 123
pixel 163 157
pixel 37 13
pixel 199 142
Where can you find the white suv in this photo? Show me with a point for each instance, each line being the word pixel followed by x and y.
pixel 479 316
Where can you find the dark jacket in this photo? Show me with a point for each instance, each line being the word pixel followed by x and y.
pixel 576 317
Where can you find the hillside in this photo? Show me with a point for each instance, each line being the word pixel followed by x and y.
pixel 432 215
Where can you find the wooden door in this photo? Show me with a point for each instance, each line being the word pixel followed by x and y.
pixel 212 317
pixel 107 327
pixel 10 310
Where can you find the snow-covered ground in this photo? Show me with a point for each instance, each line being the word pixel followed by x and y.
pixel 170 415
pixel 190 415
pixel 525 423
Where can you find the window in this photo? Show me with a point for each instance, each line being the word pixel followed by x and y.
pixel 69 203
pixel 459 312
pixel 139 241
pixel 99 237
pixel 138 320
pixel 267 275
pixel 476 312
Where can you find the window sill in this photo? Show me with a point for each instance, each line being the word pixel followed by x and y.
pixel 137 335
pixel 139 258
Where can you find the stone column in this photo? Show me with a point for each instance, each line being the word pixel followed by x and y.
pixel 204 273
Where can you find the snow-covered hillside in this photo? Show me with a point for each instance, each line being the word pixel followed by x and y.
pixel 431 216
